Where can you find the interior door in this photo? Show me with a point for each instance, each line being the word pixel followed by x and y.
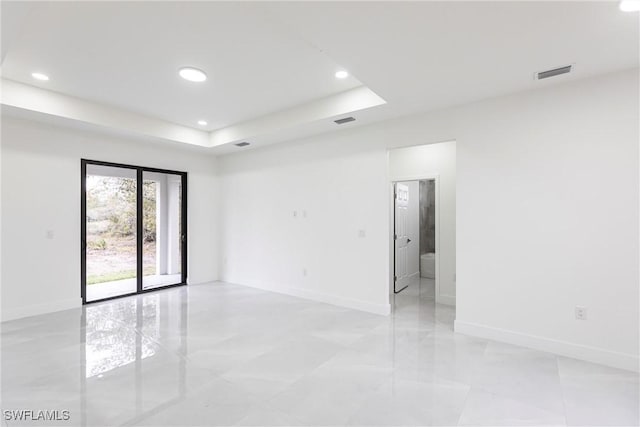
pixel 401 238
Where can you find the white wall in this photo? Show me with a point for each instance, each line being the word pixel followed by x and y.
pixel 438 160
pixel 41 192
pixel 547 215
pixel 265 245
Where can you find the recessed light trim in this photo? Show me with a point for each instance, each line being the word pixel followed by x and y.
pixel 202 122
pixel 192 74
pixel 342 74
pixel 630 5
pixel 40 76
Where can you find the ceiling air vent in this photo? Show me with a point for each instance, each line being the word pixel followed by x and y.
pixel 345 120
pixel 552 73
pixel 242 144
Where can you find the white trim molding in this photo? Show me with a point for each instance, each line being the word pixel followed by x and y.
pixel 446 299
pixel 369 307
pixel 440 299
pixel 602 356
pixel 350 101
pixel 37 309
pixel 31 98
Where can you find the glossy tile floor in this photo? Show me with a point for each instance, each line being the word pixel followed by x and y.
pixel 115 288
pixel 223 354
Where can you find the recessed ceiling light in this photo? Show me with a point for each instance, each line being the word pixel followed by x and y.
pixel 192 74
pixel 40 76
pixel 342 74
pixel 630 5
pixel 202 122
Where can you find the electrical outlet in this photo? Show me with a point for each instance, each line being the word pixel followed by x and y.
pixel 49 234
pixel 304 272
pixel 295 214
pixel 581 312
pixel 362 233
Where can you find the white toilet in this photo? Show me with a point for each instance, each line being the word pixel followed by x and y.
pixel 428 265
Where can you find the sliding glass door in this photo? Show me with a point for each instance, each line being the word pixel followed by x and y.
pixel 133 229
pixel 162 229
pixel 111 239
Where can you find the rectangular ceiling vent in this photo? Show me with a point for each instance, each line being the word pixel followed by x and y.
pixel 345 120
pixel 242 144
pixel 552 73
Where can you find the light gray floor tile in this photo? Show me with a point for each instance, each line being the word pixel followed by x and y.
pixel 221 354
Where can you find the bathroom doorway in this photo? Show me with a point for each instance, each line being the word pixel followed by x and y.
pixel 415 237
pixel 433 165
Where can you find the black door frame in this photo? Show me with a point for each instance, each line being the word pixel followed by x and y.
pixel 139 227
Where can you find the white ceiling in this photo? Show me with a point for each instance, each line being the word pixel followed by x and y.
pixel 267 57
pixel 127 54
pixel 426 55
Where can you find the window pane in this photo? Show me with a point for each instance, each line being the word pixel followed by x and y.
pixel 162 238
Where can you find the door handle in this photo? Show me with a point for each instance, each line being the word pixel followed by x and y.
pixel 408 240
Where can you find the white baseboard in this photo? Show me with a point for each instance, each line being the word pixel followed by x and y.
pixel 446 299
pixel 383 309
pixel 614 359
pixel 36 309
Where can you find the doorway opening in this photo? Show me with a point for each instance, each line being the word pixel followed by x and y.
pixel 134 230
pixel 427 171
pixel 415 237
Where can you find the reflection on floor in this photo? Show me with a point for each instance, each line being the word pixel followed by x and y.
pixel 221 354
pixel 150 282
pixel 104 290
pixel 419 287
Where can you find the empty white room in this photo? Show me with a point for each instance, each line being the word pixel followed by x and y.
pixel 320 213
